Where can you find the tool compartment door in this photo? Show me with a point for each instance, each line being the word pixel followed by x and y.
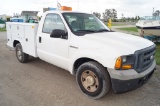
pixel 9 35
pixel 30 39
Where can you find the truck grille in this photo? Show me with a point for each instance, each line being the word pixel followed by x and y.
pixel 144 58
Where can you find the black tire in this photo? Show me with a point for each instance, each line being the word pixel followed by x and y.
pixel 96 88
pixel 21 56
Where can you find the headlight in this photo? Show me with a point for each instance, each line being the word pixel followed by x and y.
pixel 124 62
pixel 124 59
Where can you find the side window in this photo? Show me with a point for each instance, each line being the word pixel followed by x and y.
pixel 52 21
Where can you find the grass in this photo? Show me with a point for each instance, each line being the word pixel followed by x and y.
pixel 157 56
pixel 115 24
pixel 133 29
pixel 118 24
pixel 2 29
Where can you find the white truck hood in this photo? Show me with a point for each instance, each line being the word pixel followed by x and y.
pixel 119 42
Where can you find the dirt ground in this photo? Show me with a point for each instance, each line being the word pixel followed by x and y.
pixel 38 83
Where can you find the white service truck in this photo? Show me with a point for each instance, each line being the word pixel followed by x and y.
pixel 80 43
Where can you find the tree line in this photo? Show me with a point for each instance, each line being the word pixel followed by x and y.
pixel 112 14
pixel 156 13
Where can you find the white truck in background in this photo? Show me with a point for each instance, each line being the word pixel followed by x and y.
pixel 80 43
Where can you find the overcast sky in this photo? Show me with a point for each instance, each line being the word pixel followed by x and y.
pixel 130 8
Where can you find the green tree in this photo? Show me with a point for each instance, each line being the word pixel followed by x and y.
pixel 110 14
pixel 132 19
pixel 156 13
pixel 98 15
pixel 138 17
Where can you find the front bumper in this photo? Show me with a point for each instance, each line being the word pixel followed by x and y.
pixel 127 80
pixel 120 86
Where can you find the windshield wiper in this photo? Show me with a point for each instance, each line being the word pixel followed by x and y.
pixel 102 30
pixel 85 31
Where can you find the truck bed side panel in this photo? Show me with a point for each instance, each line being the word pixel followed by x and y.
pixel 30 40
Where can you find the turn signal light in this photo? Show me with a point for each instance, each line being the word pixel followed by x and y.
pixel 124 67
pixel 118 63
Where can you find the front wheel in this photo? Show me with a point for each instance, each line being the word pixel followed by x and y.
pixel 93 79
pixel 21 56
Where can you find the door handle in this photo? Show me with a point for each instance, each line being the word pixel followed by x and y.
pixel 40 39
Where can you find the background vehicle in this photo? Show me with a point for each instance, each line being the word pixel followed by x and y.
pixel 149 28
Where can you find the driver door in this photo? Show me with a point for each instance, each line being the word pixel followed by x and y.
pixel 53 50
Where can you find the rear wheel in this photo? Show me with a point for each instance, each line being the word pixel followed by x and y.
pixel 21 56
pixel 93 79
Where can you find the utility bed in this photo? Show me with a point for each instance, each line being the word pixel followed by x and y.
pixel 25 33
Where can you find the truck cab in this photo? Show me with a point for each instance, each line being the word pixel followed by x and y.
pixel 82 44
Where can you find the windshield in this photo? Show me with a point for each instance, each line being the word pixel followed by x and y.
pixel 84 23
pixel 153 18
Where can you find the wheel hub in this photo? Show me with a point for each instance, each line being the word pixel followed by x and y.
pixel 19 53
pixel 90 80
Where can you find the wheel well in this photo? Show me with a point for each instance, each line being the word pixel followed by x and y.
pixel 15 42
pixel 80 62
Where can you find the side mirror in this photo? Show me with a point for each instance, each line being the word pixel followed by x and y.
pixel 57 33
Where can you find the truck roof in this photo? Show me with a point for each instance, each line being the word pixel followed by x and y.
pixel 58 11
